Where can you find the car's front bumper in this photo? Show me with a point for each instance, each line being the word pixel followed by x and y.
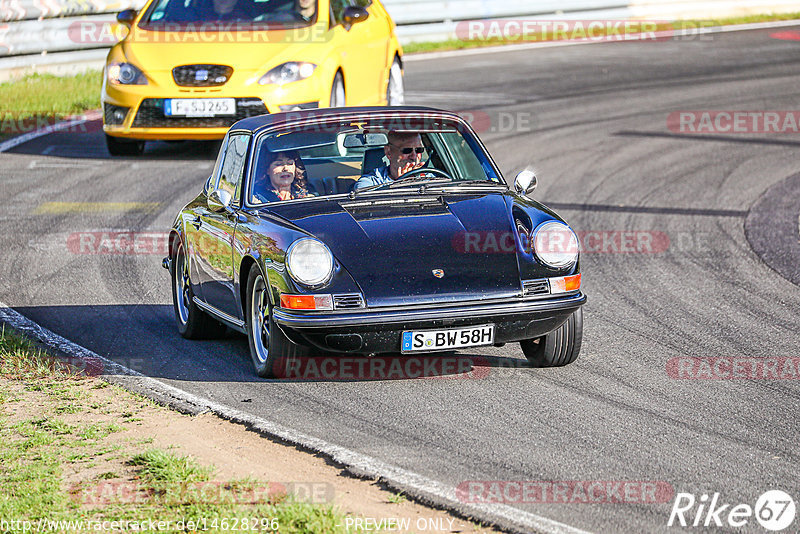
pixel 379 330
pixel 141 107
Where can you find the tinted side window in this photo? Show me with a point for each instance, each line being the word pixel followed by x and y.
pixel 230 178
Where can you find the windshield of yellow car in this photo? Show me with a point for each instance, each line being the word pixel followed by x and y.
pixel 177 13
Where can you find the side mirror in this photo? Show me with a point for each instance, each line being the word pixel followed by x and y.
pixel 127 17
pixel 525 182
pixel 219 200
pixel 353 14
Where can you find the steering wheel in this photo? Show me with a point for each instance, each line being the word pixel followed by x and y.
pixel 423 170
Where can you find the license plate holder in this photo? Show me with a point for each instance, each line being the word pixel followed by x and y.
pixel 447 338
pixel 199 107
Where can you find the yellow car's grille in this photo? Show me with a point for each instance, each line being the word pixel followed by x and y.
pixel 151 115
pixel 202 75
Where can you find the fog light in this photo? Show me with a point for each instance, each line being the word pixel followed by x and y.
pixel 119 116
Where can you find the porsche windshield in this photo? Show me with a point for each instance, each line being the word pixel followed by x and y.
pixel 222 12
pixel 361 156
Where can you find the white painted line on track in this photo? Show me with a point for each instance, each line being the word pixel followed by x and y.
pixel 575 42
pixel 88 165
pixel 439 493
pixel 59 126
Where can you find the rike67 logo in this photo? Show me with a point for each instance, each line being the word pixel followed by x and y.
pixel 774 510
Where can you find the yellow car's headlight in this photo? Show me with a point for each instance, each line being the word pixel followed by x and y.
pixel 289 72
pixel 125 74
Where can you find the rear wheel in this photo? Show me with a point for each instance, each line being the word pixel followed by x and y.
pixel 124 147
pixel 193 323
pixel 395 90
pixel 559 347
pixel 337 92
pixel 270 349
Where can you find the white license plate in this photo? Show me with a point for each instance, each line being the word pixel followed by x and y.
pixel 199 107
pixel 453 338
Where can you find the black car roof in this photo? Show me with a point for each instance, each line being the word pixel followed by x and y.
pixel 261 122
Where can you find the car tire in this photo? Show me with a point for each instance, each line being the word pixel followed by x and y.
pixel 270 349
pixel 395 89
pixel 338 95
pixel 559 347
pixel 124 147
pixel 193 323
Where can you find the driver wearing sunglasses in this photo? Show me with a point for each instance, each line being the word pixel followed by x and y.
pixel 404 152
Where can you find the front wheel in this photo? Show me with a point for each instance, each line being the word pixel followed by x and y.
pixel 124 147
pixel 193 323
pixel 270 349
pixel 559 347
pixel 395 90
pixel 338 98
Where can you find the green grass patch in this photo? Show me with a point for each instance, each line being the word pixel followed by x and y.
pixel 459 44
pixel 37 451
pixel 39 100
pixel 397 498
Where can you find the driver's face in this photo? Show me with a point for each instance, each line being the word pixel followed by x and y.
pixel 400 163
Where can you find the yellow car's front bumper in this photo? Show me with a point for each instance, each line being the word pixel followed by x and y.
pixel 137 111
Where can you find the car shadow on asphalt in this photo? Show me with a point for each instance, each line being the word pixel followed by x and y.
pixel 143 339
pixel 90 144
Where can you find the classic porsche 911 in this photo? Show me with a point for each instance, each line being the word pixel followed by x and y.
pixel 367 231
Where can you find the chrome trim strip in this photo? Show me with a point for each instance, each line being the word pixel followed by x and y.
pixel 219 314
pixel 400 315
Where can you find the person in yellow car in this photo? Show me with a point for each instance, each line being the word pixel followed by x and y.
pixel 284 179
pixel 229 10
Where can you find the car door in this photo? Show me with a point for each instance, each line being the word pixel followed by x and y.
pixel 363 48
pixel 216 231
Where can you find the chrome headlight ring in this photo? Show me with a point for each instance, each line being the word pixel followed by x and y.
pixel 555 244
pixel 310 262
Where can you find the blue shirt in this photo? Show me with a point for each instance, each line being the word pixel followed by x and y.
pixel 379 176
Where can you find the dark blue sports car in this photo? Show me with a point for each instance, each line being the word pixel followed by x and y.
pixel 372 230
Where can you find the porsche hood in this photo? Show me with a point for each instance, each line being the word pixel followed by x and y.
pixel 418 249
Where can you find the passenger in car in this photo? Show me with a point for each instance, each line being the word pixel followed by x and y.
pixel 283 178
pixel 404 153
pixel 225 10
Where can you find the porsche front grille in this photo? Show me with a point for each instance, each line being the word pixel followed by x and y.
pixel 531 288
pixel 201 75
pixel 348 301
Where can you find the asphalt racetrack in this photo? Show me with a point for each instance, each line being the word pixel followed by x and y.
pixel 672 278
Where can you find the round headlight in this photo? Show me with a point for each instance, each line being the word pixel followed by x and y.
pixel 555 244
pixel 309 262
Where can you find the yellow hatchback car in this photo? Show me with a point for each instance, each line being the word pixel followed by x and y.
pixel 188 69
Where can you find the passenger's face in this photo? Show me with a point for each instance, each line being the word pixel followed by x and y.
pixel 282 172
pixel 401 163
pixel 306 5
pixel 224 6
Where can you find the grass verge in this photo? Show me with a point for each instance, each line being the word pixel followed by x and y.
pixel 41 99
pixel 73 470
pixel 459 44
